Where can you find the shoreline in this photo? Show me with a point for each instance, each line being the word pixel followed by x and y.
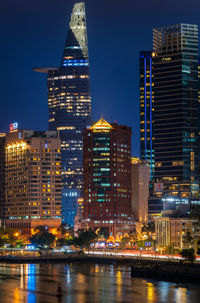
pixel 143 268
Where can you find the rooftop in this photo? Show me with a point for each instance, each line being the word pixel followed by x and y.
pixel 101 124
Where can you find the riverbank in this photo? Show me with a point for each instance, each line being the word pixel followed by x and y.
pixel 167 271
pixel 147 268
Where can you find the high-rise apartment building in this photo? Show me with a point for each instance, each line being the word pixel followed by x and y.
pixel 140 178
pixel 33 180
pixel 176 111
pixel 107 177
pixel 69 102
pixel 2 178
pixel 147 108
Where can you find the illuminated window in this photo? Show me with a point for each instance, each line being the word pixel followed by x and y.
pixel 177 163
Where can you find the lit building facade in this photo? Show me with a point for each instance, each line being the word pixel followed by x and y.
pixel 69 207
pixel 2 178
pixel 147 108
pixel 107 177
pixel 176 111
pixel 173 231
pixel 33 180
pixel 140 178
pixel 69 102
pixel 79 215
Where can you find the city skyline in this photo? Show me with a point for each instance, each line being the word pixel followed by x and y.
pixel 100 155
pixel 106 66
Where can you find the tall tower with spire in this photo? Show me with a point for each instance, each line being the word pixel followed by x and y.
pixel 69 103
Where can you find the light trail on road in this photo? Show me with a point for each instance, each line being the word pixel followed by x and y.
pixel 138 254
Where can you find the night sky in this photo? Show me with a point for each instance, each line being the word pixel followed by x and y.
pixel 33 34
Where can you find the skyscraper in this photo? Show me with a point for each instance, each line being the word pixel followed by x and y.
pixel 107 177
pixel 176 110
pixel 2 178
pixel 147 108
pixel 33 179
pixel 70 104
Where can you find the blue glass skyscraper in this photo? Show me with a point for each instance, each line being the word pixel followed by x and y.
pixel 147 109
pixel 169 114
pixel 69 102
pixel 176 110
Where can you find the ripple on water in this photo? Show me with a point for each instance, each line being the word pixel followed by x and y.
pixel 85 283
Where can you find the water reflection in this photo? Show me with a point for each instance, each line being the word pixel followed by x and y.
pixel 37 283
pixel 151 296
pixel 164 290
pixel 16 295
pixel 31 282
pixel 180 295
pixel 119 284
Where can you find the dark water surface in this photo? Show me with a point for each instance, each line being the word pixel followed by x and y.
pixel 40 283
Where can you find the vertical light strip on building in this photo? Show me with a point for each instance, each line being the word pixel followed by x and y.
pixel 151 145
pixel 145 107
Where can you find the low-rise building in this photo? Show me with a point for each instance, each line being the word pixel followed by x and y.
pixel 171 231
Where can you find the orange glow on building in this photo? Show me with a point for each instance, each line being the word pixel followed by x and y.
pixel 33 180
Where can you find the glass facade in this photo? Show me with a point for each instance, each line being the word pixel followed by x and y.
pixel 147 108
pixel 69 102
pixel 176 110
pixel 70 208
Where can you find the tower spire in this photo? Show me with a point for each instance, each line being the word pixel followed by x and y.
pixel 76 46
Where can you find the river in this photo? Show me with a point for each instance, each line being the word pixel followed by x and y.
pixel 85 283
